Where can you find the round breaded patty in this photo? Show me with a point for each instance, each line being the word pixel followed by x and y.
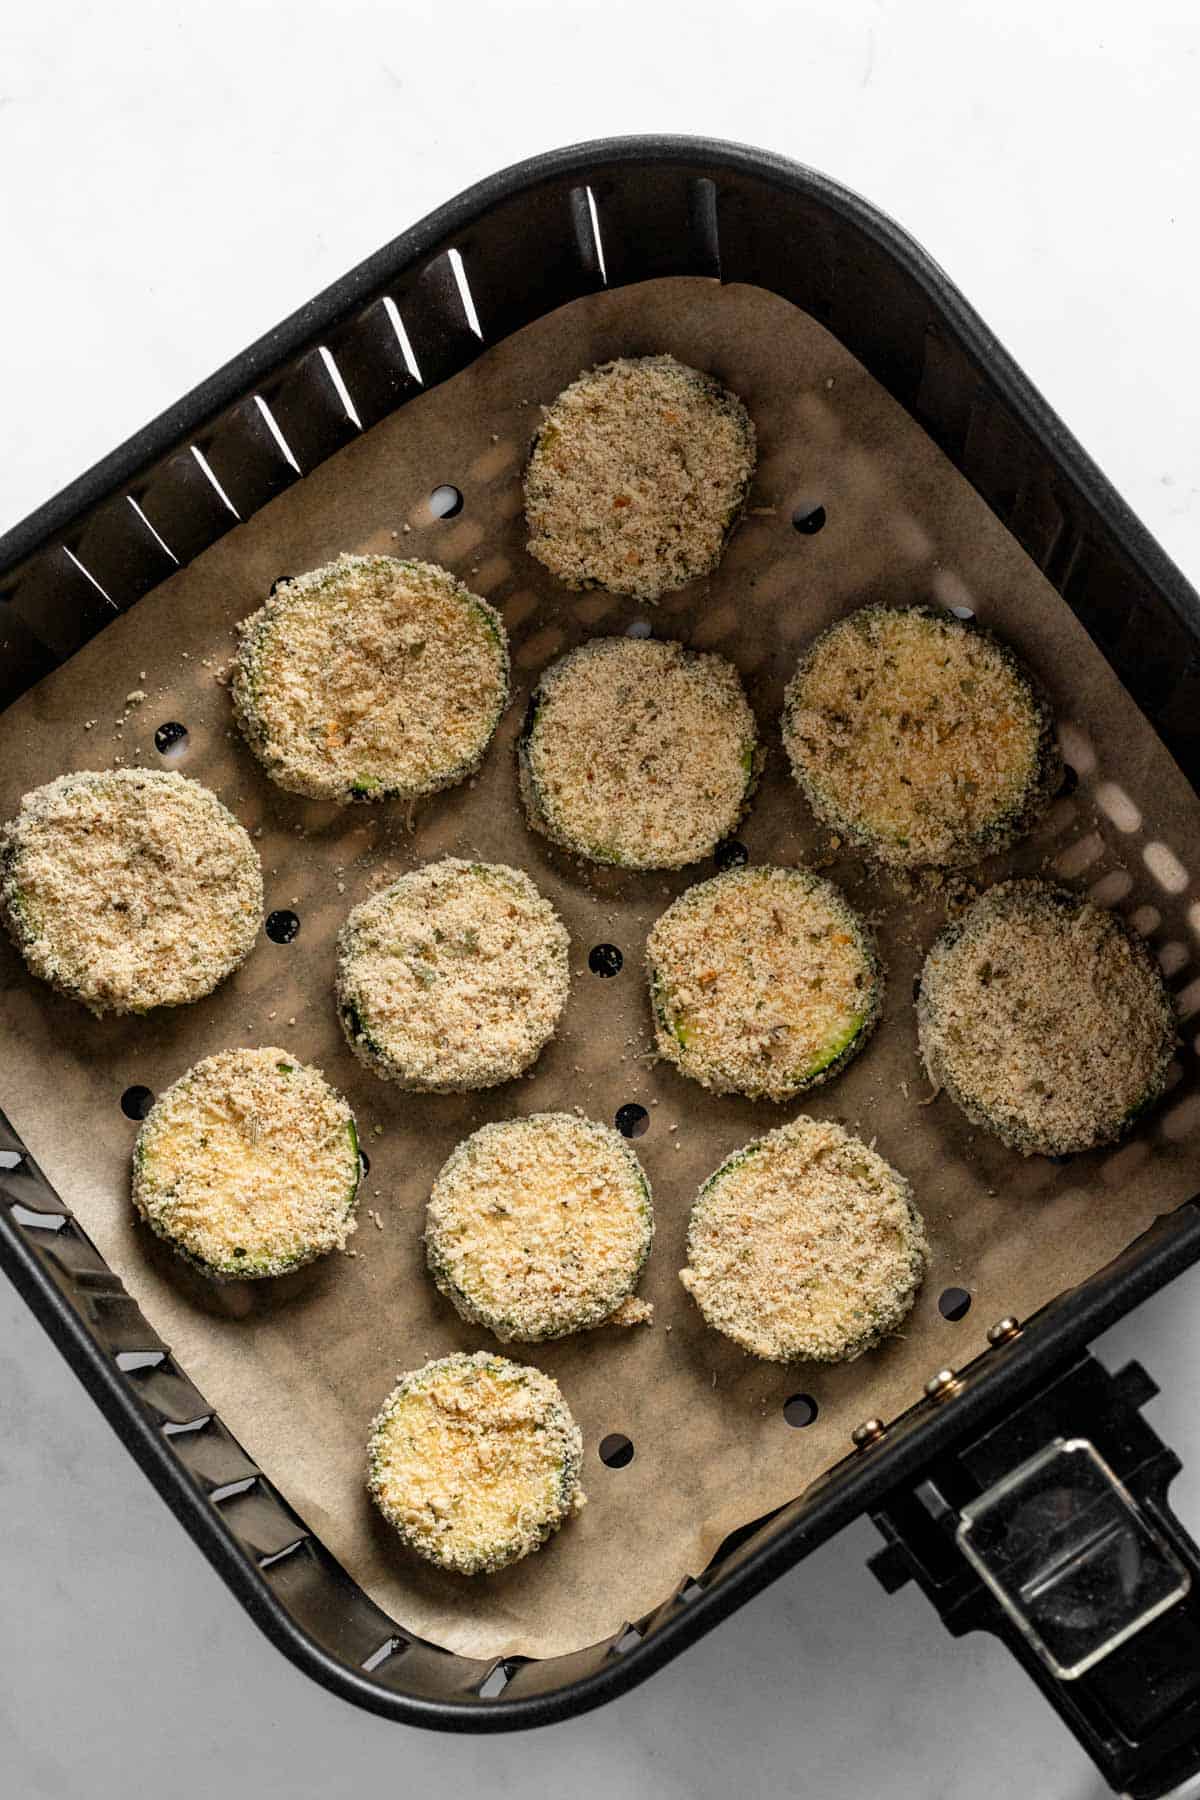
pixel 638 752
pixel 129 888
pixel 540 1226
pixel 454 977
pixel 919 737
pixel 248 1165
pixel 371 679
pixel 763 981
pixel 637 476
pixel 475 1461
pixel 805 1244
pixel 1045 1019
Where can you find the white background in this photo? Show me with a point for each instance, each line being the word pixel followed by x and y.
pixel 173 180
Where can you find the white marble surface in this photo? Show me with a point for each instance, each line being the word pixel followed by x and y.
pixel 176 178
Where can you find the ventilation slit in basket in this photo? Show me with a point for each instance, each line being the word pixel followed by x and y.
pixel 273 428
pixel 163 546
pixel 597 238
pixel 455 260
pixel 406 349
pixel 203 462
pixel 335 375
pixel 90 577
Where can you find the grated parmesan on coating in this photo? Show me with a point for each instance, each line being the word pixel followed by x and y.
pixel 806 1244
pixel 919 736
pixel 371 679
pixel 248 1165
pixel 475 1461
pixel 637 476
pixel 638 752
pixel 1045 1019
pixel 129 888
pixel 452 978
pixel 763 981
pixel 540 1226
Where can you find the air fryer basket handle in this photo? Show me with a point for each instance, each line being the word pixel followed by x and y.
pixel 1052 1530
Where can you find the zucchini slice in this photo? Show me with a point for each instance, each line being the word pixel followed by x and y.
pixel 920 737
pixel 371 679
pixel 805 1244
pixel 763 981
pixel 452 978
pixel 248 1165
pixel 637 477
pixel 540 1226
pixel 129 888
pixel 475 1461
pixel 1045 1019
pixel 639 753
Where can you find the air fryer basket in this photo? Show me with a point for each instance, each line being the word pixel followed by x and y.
pixel 521 244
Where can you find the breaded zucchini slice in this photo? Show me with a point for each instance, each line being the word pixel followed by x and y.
pixel 452 978
pixel 921 738
pixel 540 1226
pixel 248 1165
pixel 371 679
pixel 637 476
pixel 129 888
pixel 638 752
pixel 1046 1019
pixel 475 1461
pixel 763 981
pixel 805 1244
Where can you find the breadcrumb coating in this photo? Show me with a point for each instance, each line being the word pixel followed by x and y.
pixel 763 981
pixel 540 1226
pixel 637 476
pixel 248 1165
pixel 371 679
pixel 638 752
pixel 919 736
pixel 806 1244
pixel 129 888
pixel 475 1461
pixel 452 978
pixel 1045 1019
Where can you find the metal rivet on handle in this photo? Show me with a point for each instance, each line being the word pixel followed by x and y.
pixel 943 1385
pixel 1004 1330
pixel 869 1432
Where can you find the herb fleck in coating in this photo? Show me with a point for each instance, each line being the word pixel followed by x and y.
pixel 475 1461
pixel 805 1244
pixel 452 978
pixel 638 752
pixel 763 981
pixel 1045 1019
pixel 540 1226
pixel 129 888
pixel 920 737
pixel 248 1165
pixel 637 476
pixel 371 679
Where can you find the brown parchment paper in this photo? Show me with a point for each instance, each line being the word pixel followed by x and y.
pixel 297 1368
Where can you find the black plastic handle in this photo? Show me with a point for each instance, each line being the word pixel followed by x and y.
pixel 1080 1567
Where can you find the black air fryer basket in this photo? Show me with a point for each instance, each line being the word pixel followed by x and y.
pixel 1024 1492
